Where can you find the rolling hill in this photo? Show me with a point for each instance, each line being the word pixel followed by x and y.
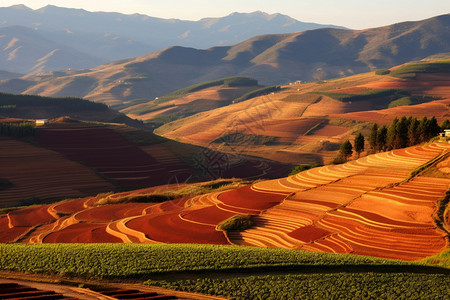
pixel 193 99
pixel 37 107
pixel 271 59
pixel 371 206
pixel 71 158
pixel 305 122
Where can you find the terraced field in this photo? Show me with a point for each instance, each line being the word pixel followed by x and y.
pixel 369 206
pixel 107 152
pixel 40 173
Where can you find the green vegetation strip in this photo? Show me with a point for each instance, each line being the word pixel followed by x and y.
pixel 66 103
pixel 320 286
pixel 259 92
pixel 17 130
pixel 389 94
pixel 233 271
pixel 132 260
pixel 228 81
pixel 410 70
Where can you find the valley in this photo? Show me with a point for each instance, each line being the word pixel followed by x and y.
pixel 251 156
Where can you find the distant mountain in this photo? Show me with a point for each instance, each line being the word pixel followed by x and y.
pixel 24 50
pixel 271 59
pixel 115 36
pixel 7 75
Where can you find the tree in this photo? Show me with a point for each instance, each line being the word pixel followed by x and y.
pixel 413 136
pixel 346 149
pixel 401 134
pixel 345 152
pixel 445 125
pixel 373 137
pixel 422 130
pixel 391 134
pixel 359 144
pixel 381 138
pixel 433 128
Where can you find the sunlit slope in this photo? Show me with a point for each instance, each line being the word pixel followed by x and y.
pixel 306 122
pixel 271 59
pixel 369 206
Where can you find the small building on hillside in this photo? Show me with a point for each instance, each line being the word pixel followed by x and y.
pixel 446 133
pixel 41 122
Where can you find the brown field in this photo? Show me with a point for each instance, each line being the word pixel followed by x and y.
pixel 36 172
pixel 296 110
pixel 363 207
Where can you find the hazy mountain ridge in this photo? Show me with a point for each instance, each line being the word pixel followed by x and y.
pixel 271 59
pixel 115 36
pixel 26 51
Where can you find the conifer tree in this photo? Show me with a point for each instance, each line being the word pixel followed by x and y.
pixel 401 134
pixel 381 138
pixel 422 130
pixel 373 137
pixel 346 149
pixel 359 144
pixel 391 134
pixel 433 128
pixel 445 125
pixel 413 136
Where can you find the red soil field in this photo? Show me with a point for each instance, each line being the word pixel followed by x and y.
pixel 308 234
pixel 109 153
pixel 246 197
pixel 10 234
pixel 82 233
pixel 40 173
pixel 211 215
pixel 29 217
pixel 112 212
pixel 170 228
pixel 361 207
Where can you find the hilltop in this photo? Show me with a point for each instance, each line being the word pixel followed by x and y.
pixel 271 59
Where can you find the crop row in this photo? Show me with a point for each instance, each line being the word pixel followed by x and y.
pixel 130 260
pixel 320 286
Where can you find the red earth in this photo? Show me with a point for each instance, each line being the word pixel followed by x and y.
pixel 361 207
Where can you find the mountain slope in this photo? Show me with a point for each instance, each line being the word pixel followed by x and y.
pixel 271 59
pixel 26 51
pixel 305 123
pixel 115 36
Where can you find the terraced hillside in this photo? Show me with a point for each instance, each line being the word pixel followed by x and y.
pixel 67 158
pixel 39 173
pixel 305 122
pixel 370 206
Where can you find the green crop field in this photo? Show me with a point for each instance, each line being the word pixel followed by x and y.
pixel 320 286
pixel 238 272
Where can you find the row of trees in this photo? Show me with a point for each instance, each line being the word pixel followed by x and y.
pixel 17 129
pixel 404 132
pixel 401 133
